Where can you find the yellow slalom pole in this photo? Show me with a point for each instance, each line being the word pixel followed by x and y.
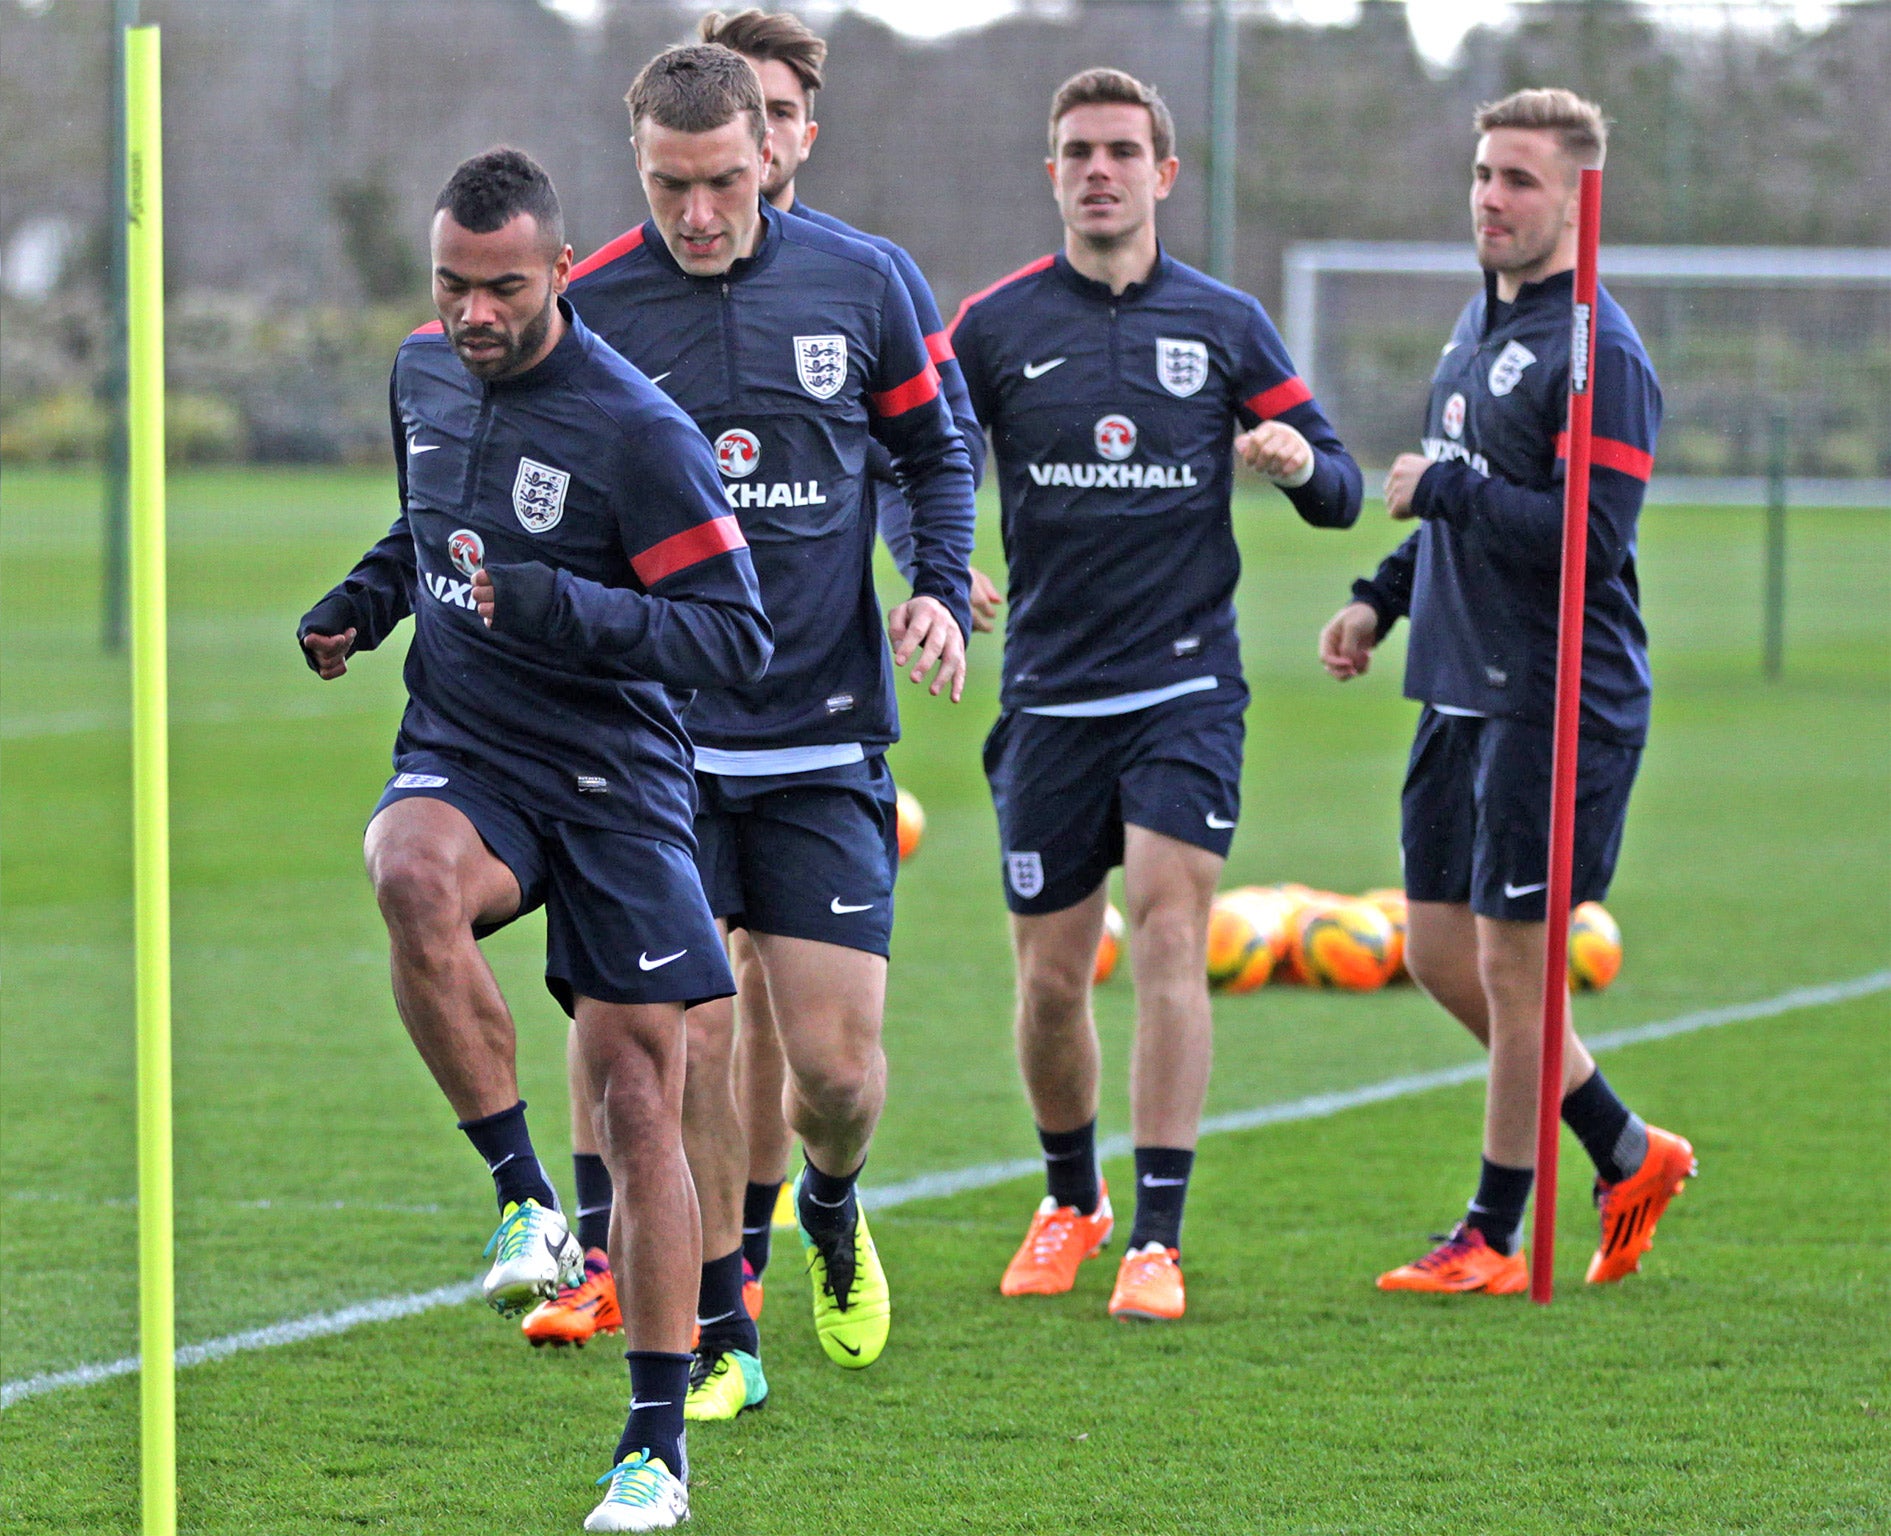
pixel 151 775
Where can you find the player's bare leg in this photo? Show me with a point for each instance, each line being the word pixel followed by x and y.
pixel 1441 957
pixel 634 1058
pixel 434 878
pixel 829 1004
pixel 1055 1030
pixel 761 1075
pixel 1510 965
pixel 1169 887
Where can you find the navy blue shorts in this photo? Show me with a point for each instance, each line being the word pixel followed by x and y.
pixel 625 918
pixel 803 855
pixel 1064 788
pixel 1475 814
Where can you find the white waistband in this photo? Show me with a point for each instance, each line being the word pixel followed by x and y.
pixel 1122 703
pixel 1462 714
pixel 767 761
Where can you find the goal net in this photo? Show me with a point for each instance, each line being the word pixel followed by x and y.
pixel 1763 351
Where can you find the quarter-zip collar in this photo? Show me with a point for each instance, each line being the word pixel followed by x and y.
pixel 1558 289
pixel 745 267
pixel 555 366
pixel 1090 288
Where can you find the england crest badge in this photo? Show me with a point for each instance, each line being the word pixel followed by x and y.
pixel 1026 871
pixel 538 495
pixel 1182 366
pixel 821 363
pixel 1508 369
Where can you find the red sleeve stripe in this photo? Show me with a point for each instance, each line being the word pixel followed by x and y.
pixel 917 390
pixel 431 328
pixel 984 293
pixel 1283 397
pixel 1609 454
pixel 682 550
pixel 939 347
pixel 623 245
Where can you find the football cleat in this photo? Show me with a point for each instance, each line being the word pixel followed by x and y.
pixel 853 1309
pixel 1060 1238
pixel 1462 1262
pixel 533 1254
pixel 1149 1285
pixel 751 1292
pixel 724 1383
pixel 642 1495
pixel 577 1311
pixel 1630 1209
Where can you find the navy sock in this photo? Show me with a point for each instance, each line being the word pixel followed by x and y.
pixel 758 1222
pixel 826 1204
pixel 594 1200
pixel 659 1383
pixel 1070 1166
pixel 1161 1191
pixel 1615 1138
pixel 725 1322
pixel 1497 1212
pixel 505 1143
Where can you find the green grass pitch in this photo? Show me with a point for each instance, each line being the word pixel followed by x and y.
pixel 1741 1384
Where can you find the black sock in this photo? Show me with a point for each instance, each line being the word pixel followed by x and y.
pixel 1497 1212
pixel 1161 1191
pixel 725 1322
pixel 659 1383
pixel 594 1200
pixel 505 1143
pixel 758 1222
pixel 1070 1166
pixel 826 1204
pixel 1615 1138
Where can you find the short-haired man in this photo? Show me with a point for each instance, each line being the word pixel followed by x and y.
pixel 571 565
pixel 1479 582
pixel 792 347
pixel 790 60
pixel 1115 381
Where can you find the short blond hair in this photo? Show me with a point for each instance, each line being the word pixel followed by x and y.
pixel 1095 87
pixel 1578 124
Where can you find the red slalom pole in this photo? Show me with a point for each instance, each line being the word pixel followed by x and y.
pixel 1549 1089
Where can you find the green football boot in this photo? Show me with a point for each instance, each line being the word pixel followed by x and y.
pixel 724 1383
pixel 853 1310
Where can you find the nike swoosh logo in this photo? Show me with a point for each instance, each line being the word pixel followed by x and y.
pixel 414 447
pixel 849 1348
pixel 1514 891
pixel 645 963
pixel 841 909
pixel 658 378
pixel 1038 370
pixel 1217 823
pixel 720 1317
pixel 1153 1183
pixel 555 1248
pixel 635 1404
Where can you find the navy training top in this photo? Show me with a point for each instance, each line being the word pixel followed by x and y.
pixel 1112 418
pixel 794 363
pixel 622 580
pixel 1481 577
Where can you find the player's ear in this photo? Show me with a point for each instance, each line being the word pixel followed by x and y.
pixel 808 136
pixel 1166 172
pixel 561 270
pixel 1050 170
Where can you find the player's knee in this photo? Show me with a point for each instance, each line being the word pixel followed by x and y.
pixel 709 1038
pixel 418 888
pixel 837 1083
pixel 1054 986
pixel 1168 937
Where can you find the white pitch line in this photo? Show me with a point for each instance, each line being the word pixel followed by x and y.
pixel 932 1186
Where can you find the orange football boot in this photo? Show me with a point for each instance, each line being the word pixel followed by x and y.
pixel 1462 1262
pixel 1630 1209
pixel 751 1292
pixel 577 1312
pixel 1149 1285
pixel 1060 1238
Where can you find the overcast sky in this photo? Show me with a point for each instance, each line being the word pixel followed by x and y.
pixel 1438 26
